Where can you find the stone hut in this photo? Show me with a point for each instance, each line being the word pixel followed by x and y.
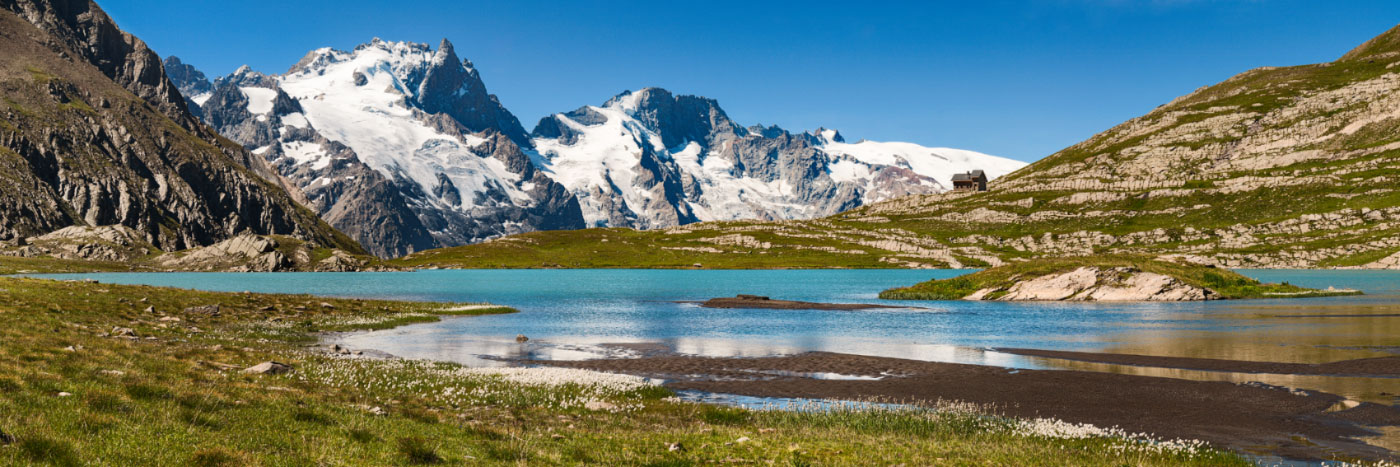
pixel 975 180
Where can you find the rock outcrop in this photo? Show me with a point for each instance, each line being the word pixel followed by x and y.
pixel 256 253
pixel 104 243
pixel 1093 284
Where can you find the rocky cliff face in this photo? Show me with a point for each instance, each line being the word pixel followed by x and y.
pixel 652 159
pixel 396 144
pixel 94 133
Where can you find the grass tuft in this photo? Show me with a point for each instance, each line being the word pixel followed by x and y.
pixel 213 457
pixel 49 451
pixel 416 450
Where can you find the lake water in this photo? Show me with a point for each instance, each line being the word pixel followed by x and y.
pixel 574 314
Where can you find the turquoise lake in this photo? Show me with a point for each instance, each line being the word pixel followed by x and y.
pixel 573 314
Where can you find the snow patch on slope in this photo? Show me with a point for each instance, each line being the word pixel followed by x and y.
pixel 937 163
pixel 259 99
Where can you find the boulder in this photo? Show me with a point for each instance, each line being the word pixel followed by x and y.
pixel 268 368
pixel 338 261
pixel 210 310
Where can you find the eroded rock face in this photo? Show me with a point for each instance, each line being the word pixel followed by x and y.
pixel 1100 285
pixel 89 33
pixel 87 152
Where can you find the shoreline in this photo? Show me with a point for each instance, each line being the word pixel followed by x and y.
pixel 1253 419
pixel 1376 367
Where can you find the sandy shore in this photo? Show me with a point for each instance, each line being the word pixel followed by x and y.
pixel 1365 367
pixel 1249 418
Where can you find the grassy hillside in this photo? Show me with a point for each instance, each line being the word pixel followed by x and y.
pixel 1276 167
pixel 89 376
pixel 1224 283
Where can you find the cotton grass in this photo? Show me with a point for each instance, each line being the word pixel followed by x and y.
pixel 454 385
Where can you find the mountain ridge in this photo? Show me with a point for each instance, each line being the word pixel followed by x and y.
pixel 696 164
pixel 432 143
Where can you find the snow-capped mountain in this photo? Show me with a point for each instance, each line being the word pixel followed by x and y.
pixel 396 144
pixel 401 146
pixel 651 159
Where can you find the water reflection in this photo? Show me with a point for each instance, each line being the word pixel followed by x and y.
pixel 1379 390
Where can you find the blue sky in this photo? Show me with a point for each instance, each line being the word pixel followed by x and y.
pixel 1020 79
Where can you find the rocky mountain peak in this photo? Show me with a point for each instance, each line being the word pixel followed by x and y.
pixel 828 136
pixel 246 76
pixel 452 86
pixel 434 81
pixel 188 79
pixel 677 118
pixel 445 53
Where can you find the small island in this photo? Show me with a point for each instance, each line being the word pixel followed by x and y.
pixel 1112 278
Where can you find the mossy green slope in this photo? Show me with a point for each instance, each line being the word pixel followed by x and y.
pixel 1294 167
pixel 1224 283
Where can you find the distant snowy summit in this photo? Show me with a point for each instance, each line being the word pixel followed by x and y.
pixel 402 147
pixel 651 159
